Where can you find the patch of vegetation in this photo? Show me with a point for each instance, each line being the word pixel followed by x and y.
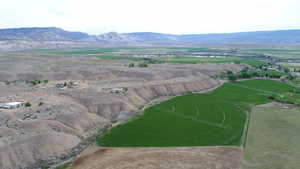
pixel 64 166
pixel 208 50
pixel 131 65
pixel 80 51
pixel 35 82
pixel 143 65
pixel 296 81
pixel 273 50
pixel 210 119
pixel 27 104
pixel 195 60
pixel 190 60
pixel 281 53
pixel 247 73
pixel 114 57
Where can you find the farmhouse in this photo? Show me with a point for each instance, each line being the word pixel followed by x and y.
pixel 11 105
pixel 118 90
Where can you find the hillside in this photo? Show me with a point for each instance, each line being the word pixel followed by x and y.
pixel 59 38
pixel 42 34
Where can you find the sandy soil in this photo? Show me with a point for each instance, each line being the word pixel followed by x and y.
pixel 160 158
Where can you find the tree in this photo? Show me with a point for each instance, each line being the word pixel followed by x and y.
pixel 131 65
pixel 143 65
pixel 232 77
pixel 286 70
pixel 229 72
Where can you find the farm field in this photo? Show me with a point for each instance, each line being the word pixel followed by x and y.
pixel 191 60
pixel 280 53
pixel 194 60
pixel 273 138
pixel 112 53
pixel 106 50
pixel 290 65
pixel 211 119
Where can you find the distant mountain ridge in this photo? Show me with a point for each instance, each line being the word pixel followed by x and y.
pixel 41 34
pixel 54 34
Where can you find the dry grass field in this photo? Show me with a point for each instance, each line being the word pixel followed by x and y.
pixel 273 138
pixel 161 158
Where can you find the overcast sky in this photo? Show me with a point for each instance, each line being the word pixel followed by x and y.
pixel 165 16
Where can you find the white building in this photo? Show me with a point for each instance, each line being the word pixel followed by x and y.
pixel 11 105
pixel 118 90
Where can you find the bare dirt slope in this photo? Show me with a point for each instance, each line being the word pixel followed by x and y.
pixel 161 158
pixel 29 136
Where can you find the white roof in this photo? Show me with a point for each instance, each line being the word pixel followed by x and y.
pixel 13 103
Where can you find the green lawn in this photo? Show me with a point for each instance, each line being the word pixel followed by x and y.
pixel 215 118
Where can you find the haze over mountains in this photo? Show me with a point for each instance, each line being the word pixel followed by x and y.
pixel 42 37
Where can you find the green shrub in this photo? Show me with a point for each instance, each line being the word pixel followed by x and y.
pixel 232 77
pixel 64 166
pixel 143 65
pixel 27 104
pixel 131 65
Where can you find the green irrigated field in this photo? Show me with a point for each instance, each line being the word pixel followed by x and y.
pixel 195 60
pixel 216 118
pixel 109 53
pixel 273 138
pixel 80 51
pixel 105 50
pixel 191 60
pixel 208 50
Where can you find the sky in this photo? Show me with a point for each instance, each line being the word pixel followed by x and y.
pixel 163 16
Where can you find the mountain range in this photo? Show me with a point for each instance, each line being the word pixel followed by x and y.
pixel 57 35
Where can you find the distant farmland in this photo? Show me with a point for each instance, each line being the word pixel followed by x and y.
pixel 191 60
pixel 212 119
pixel 112 53
pixel 280 53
